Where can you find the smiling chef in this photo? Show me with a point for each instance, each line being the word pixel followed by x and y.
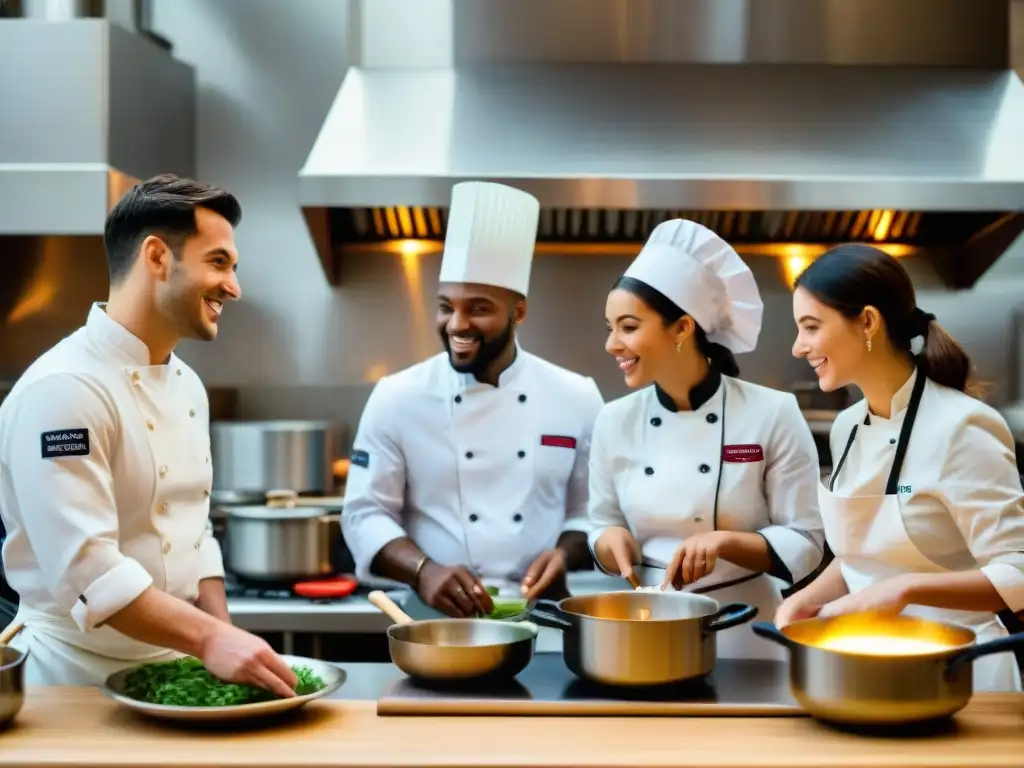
pixel 924 508
pixel 470 468
pixel 105 468
pixel 703 474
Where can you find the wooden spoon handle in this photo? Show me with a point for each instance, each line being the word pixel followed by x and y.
pixel 389 607
pixel 10 632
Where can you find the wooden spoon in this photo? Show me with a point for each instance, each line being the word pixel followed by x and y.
pixel 389 607
pixel 633 580
pixel 10 633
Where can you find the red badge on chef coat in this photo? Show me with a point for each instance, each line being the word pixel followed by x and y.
pixel 741 454
pixel 558 441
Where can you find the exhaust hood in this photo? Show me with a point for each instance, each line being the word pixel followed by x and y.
pixel 785 125
pixel 87 108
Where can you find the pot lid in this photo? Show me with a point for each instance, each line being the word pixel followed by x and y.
pixel 263 512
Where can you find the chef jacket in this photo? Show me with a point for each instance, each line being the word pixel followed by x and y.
pixel 105 481
pixel 655 470
pixel 483 476
pixel 959 493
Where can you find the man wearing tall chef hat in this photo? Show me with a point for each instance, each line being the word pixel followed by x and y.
pixel 707 476
pixel 470 469
pixel 105 469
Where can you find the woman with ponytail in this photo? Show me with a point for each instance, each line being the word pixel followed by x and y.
pixel 924 509
pixel 709 477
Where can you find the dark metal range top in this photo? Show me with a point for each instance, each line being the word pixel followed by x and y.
pixel 547 687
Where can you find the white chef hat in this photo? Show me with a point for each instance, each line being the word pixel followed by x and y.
pixel 706 278
pixel 492 230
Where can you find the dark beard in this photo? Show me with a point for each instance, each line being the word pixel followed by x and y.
pixel 490 350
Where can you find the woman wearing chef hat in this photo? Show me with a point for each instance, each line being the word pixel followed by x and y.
pixel 924 509
pixel 712 478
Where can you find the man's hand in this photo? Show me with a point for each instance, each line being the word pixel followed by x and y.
pixel 695 559
pixel 236 656
pixel 453 590
pixel 548 566
pixel 617 550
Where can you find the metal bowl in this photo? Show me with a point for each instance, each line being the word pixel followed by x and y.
pixel 333 676
pixel 12 683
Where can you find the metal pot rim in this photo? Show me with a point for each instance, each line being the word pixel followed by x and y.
pixel 529 634
pixel 713 606
pixel 22 656
pixel 282 514
pixel 276 425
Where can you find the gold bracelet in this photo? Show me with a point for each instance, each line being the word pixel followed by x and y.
pixel 419 567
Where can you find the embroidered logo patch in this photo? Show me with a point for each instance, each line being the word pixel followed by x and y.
pixel 741 454
pixel 904 489
pixel 558 441
pixel 360 459
pixel 62 443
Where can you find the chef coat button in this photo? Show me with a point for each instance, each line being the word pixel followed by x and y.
pixel 191 411
pixel 698 519
pixel 522 454
pixel 656 421
pixel 163 507
pixel 167 547
pixel 178 371
pixel 474 517
pixel 704 469
pixel 522 398
pixel 469 454
pixel 198 545
pixel 517 517
pixel 648 470
pixel 206 494
pixel 711 418
pixel 458 398
pixel 892 441
pixel 150 424
pixel 163 471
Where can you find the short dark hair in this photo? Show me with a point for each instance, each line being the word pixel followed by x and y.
pixel 670 313
pixel 165 206
pixel 850 277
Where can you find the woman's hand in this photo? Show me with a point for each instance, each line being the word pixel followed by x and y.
pixel 887 597
pixel 794 608
pixel 696 558
pixel 617 550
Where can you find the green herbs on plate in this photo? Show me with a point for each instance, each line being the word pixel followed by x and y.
pixel 186 682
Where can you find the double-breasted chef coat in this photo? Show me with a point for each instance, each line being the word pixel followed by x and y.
pixel 932 489
pixel 742 460
pixel 482 476
pixel 105 481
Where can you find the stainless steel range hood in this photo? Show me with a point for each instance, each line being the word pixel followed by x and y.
pixel 780 123
pixel 87 107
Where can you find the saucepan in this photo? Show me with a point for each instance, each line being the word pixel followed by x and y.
pixel 456 650
pixel 640 638
pixel 869 670
pixel 12 675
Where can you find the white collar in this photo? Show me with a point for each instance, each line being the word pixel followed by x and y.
pixel 106 331
pixel 506 378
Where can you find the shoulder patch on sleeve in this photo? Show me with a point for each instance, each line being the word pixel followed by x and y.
pixel 360 459
pixel 65 442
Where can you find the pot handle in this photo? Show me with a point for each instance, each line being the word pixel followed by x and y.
pixel 999 645
pixel 729 615
pixel 769 631
pixel 548 614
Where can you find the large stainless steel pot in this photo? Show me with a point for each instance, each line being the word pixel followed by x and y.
pixel 881 681
pixel 274 544
pixel 253 457
pixel 634 638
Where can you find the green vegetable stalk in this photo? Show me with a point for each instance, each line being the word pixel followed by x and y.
pixel 186 682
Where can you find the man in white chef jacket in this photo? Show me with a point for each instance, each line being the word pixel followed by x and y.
pixel 470 468
pixel 105 471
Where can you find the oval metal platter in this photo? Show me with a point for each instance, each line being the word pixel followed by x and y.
pixel 333 677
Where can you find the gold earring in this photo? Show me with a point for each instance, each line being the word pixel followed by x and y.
pixel 869 345
pixel 679 346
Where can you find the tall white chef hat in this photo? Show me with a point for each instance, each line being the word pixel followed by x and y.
pixel 492 230
pixel 706 278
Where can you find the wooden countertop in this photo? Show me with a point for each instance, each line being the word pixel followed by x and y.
pixel 81 727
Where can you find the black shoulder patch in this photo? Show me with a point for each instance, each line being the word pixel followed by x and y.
pixel 360 459
pixel 65 442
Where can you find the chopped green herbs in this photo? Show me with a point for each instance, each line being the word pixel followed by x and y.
pixel 187 683
pixel 507 607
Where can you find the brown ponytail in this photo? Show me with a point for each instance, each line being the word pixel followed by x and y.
pixel 945 362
